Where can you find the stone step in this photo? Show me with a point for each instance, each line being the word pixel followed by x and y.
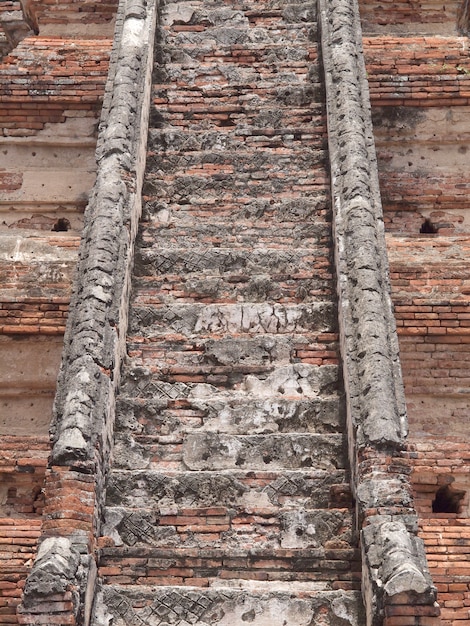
pixel 224 188
pixel 237 35
pixel 234 288
pixel 204 235
pixel 237 163
pixel 266 98
pixel 261 604
pixel 210 14
pixel 199 44
pixel 186 141
pixel 297 381
pixel 244 319
pixel 243 217
pixel 232 261
pixel 233 529
pixel 148 565
pixel 214 451
pixel 235 415
pixel 229 357
pixel 308 488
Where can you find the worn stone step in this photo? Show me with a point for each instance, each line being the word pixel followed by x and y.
pixel 202 190
pixel 232 261
pixel 224 188
pixel 234 288
pixel 214 451
pixel 254 99
pixel 229 356
pixel 237 163
pixel 268 529
pixel 185 141
pixel 149 565
pixel 296 381
pixel 236 415
pixel 245 319
pixel 263 604
pixel 202 236
pixel 244 216
pixel 209 14
pixel 234 529
pixel 198 42
pixel 308 488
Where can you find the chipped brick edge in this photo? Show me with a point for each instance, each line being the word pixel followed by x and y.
pixel 377 421
pixel 94 343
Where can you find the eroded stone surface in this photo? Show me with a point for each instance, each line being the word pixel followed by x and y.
pixel 228 607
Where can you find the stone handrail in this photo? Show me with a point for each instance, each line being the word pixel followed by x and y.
pixel 395 571
pixel 60 586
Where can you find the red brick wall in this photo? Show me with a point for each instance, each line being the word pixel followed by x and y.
pixel 51 93
pixel 446 535
pixel 22 466
pixel 405 16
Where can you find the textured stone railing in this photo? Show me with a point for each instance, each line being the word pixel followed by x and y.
pixel 17 21
pixel 60 587
pixel 396 579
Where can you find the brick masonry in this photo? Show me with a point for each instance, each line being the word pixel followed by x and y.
pixel 419 92
pixel 52 86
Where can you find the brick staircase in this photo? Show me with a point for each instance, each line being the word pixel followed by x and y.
pixel 228 500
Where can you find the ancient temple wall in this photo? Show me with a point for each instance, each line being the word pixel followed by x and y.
pixel 419 80
pixel 52 84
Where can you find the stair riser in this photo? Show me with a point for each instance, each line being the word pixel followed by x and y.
pixel 171 235
pixel 238 319
pixel 127 568
pixel 228 607
pixel 193 289
pixel 268 529
pixel 232 263
pixel 176 141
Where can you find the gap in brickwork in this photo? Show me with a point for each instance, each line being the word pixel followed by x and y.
pixel 428 228
pixel 447 500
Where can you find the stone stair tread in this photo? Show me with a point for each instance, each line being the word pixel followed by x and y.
pixel 234 416
pixel 205 451
pixel 204 190
pixel 262 604
pixel 292 381
pixel 186 141
pixel 181 140
pixel 192 288
pixel 233 528
pixel 244 318
pixel 219 489
pixel 286 236
pixel 229 257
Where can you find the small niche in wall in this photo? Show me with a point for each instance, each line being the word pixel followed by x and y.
pixel 447 500
pixel 61 225
pixel 428 228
